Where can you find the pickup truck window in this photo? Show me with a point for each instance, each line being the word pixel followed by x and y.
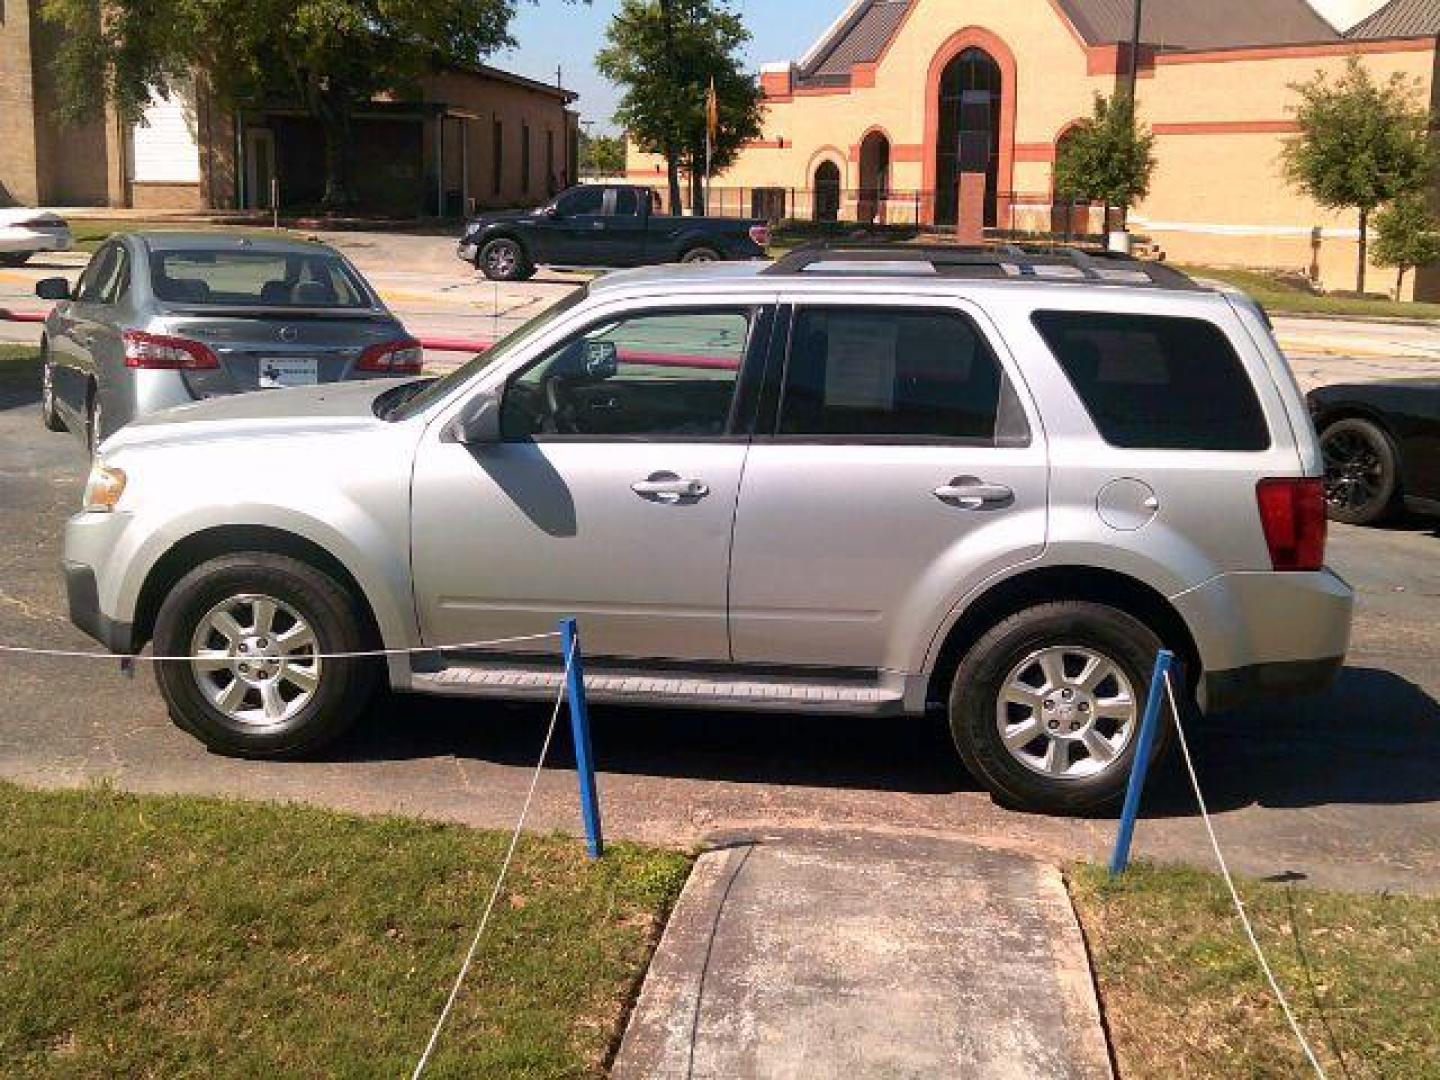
pixel 627 202
pixel 585 200
pixel 653 375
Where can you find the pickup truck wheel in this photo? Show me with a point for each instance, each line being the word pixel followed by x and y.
pixel 700 255
pixel 505 260
pixel 1046 707
pixel 1362 472
pixel 258 627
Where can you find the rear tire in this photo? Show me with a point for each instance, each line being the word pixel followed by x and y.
pixel 49 414
pixel 505 260
pixel 700 255
pixel 1041 728
pixel 259 692
pixel 1362 472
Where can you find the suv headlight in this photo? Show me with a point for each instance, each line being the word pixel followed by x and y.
pixel 103 488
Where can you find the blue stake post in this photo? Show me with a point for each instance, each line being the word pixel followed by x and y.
pixel 580 729
pixel 1149 724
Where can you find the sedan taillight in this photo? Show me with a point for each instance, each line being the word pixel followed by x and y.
pixel 1292 513
pixel 160 352
pixel 402 357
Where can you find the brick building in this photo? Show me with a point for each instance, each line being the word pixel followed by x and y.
pixel 950 114
pixel 468 137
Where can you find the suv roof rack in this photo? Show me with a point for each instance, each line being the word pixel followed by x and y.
pixel 997 263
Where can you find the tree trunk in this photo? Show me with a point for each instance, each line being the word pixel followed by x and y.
pixel 672 169
pixel 1400 284
pixel 1364 251
pixel 697 192
pixel 331 106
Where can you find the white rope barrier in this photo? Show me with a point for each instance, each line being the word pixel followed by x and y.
pixel 368 654
pixel 499 880
pixel 1234 892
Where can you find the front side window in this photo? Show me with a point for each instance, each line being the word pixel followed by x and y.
pixel 585 200
pixel 666 375
pixel 882 374
pixel 254 278
pixel 1157 382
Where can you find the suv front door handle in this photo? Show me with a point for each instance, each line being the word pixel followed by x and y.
pixel 968 493
pixel 669 488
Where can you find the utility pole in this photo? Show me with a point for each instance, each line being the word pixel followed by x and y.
pixel 1135 35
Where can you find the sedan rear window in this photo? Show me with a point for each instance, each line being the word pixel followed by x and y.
pixel 1157 383
pixel 255 279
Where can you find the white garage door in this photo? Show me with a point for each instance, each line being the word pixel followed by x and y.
pixel 163 146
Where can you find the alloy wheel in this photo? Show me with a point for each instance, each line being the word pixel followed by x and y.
pixel 1067 712
pixel 1354 471
pixel 256 660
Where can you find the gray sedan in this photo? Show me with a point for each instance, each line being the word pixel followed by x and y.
pixel 161 319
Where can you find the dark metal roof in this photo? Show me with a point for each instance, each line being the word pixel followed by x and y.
pixel 1400 19
pixel 1211 24
pixel 860 39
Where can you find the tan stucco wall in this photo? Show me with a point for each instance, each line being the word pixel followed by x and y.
pixel 514 106
pixel 1220 120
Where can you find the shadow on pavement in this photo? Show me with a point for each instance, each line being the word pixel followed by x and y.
pixel 1374 739
pixel 754 748
pixel 20 383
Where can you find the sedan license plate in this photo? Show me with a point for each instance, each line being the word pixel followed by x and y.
pixel 277 371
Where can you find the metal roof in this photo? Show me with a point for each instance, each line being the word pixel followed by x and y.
pixel 1212 24
pixel 1400 19
pixel 860 39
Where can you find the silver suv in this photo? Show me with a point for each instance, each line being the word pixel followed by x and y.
pixel 852 482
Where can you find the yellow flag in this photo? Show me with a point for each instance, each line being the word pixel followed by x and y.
pixel 712 112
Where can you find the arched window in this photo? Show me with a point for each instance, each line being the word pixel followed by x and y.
pixel 827 192
pixel 874 178
pixel 971 91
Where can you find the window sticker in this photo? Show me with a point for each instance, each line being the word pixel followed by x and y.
pixel 860 364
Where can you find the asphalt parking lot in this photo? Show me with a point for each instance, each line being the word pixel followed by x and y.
pixel 1343 790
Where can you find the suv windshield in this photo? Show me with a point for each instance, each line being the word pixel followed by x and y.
pixel 255 279
pixel 437 389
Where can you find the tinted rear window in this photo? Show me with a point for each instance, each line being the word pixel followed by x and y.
pixel 255 279
pixel 1152 382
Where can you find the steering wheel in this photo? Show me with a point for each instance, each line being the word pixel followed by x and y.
pixel 560 408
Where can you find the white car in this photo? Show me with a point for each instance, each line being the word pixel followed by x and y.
pixel 24 231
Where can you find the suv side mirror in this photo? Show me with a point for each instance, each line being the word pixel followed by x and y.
pixel 52 288
pixel 478 423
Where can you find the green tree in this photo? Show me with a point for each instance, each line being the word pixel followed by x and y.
pixel 602 155
pixel 1407 237
pixel 1362 144
pixel 664 53
pixel 329 56
pixel 1107 158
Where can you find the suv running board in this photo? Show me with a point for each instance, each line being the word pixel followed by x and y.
pixel 646 688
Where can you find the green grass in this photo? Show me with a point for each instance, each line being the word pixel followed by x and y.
pixel 1279 296
pixel 1183 995
pixel 144 936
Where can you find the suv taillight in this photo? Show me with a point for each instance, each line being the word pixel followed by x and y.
pixel 1292 513
pixel 761 235
pixel 159 352
pixel 403 357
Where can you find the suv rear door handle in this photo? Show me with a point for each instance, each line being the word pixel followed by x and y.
pixel 669 488
pixel 969 493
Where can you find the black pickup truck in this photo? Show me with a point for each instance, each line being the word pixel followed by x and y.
pixel 603 225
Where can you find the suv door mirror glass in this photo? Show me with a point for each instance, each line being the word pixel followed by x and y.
pixel 52 288
pixel 602 359
pixel 478 423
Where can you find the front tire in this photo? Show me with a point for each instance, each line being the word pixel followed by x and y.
pixel 1362 472
pixel 1046 707
pixel 505 260
pixel 259 626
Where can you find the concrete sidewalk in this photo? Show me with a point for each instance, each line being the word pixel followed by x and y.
pixel 858 955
